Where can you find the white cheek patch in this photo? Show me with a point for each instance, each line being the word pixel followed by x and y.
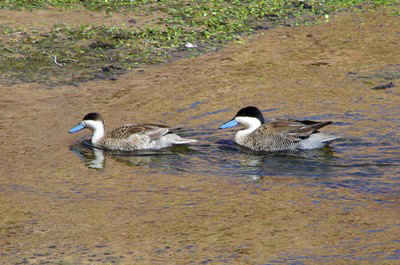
pixel 249 122
pixel 94 124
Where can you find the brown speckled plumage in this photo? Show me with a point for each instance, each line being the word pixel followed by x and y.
pixel 130 137
pixel 280 135
pixel 152 130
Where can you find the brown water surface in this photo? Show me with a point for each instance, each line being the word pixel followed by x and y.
pixel 213 203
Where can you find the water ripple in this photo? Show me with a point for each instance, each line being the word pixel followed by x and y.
pixel 368 164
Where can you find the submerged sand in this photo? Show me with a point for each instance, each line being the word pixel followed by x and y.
pixel 54 209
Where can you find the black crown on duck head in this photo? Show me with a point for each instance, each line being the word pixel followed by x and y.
pixel 252 112
pixel 92 116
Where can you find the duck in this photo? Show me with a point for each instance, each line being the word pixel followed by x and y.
pixel 128 137
pixel 279 134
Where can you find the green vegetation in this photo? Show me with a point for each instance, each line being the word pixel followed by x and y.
pixel 71 54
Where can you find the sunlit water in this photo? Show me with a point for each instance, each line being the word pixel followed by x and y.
pixel 370 163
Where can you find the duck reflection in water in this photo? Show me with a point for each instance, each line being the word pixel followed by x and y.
pixel 95 158
pixel 259 165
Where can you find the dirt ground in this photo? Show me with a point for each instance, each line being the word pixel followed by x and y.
pixel 54 210
pixel 46 18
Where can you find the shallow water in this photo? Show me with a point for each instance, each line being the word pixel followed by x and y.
pixel 366 164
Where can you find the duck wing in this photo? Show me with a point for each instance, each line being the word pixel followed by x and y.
pixel 153 131
pixel 281 135
pixel 296 128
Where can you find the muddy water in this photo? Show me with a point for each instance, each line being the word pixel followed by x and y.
pixel 212 202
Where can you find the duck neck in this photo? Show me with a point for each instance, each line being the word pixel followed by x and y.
pixel 98 131
pixel 250 124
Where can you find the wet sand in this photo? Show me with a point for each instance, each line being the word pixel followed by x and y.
pixel 54 209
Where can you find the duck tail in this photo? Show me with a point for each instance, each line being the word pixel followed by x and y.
pixel 176 139
pixel 327 138
pixel 317 140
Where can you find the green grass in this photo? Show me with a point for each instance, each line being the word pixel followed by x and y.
pixel 71 54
